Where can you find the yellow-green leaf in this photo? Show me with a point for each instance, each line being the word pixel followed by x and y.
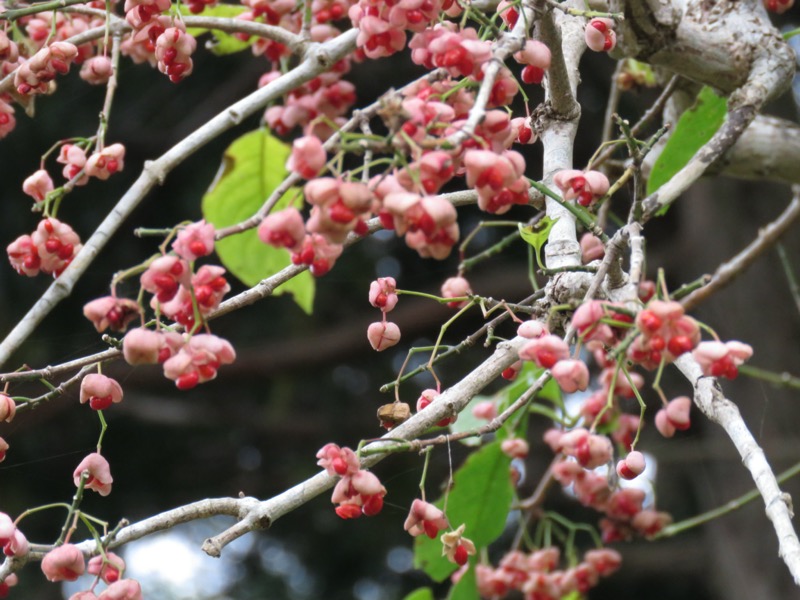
pixel 224 43
pixel 536 234
pixel 252 167
pixel 420 594
pixel 695 127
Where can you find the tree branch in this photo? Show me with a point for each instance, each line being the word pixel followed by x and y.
pixel 766 239
pixel 320 58
pixel 713 404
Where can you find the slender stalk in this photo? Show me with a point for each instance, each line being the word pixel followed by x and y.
pixel 721 511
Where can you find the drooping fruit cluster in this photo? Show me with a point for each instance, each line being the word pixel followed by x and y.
pixel 358 491
pixel 538 577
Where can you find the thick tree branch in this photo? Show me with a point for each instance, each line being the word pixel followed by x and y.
pixel 560 127
pixel 713 404
pixel 728 45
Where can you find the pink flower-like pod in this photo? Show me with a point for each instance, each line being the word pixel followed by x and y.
pixel 585 187
pixel 198 360
pixel 425 399
pixel 515 448
pixel 524 130
pixel 363 490
pixel 108 568
pixel 678 412
pixel 38 185
pixel 105 163
pixel 7 529
pixel 778 6
pixel 485 410
pixel 99 478
pixel 462 53
pixel 318 253
pixel 545 351
pixel 663 424
pixel 604 560
pixel 383 335
pixel 377 37
pixel 650 522
pixel 100 391
pixel 283 229
pixel 591 248
pixel 591 450
pixel 33 76
pixel 719 359
pixel 631 466
pixel 456 287
pixel 536 56
pixel 571 375
pixel 425 518
pixel 210 287
pixel 8 408
pixel 532 329
pixel 339 207
pixel 194 241
pixel 124 589
pixel 74 159
pixel 3 449
pixel 338 461
pixel 307 157
pixel 7 120
pixel 414 15
pixel 64 563
pixel 486 169
pixel 24 256
pixel 625 503
pixel 164 275
pixel 587 322
pixel 111 312
pixel 17 546
pixel 174 49
pixel 534 53
pixel 97 70
pixel 382 293
pixel 57 244
pixel 433 170
pixel 145 347
pixel 599 35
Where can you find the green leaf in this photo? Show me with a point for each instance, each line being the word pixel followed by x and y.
pixel 641 72
pixel 224 43
pixel 252 167
pixel 481 498
pixel 695 127
pixel 467 586
pixel 536 235
pixel 420 594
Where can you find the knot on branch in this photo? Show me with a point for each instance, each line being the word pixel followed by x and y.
pixel 786 498
pixel 570 112
pixel 212 548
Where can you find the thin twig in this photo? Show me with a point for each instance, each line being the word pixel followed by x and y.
pixel 767 237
